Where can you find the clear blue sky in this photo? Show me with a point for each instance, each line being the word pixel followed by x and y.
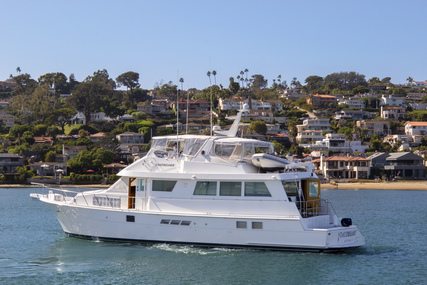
pixel 162 40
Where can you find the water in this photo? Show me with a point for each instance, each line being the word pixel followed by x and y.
pixel 34 250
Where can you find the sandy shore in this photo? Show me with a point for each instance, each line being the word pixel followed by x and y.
pixel 416 185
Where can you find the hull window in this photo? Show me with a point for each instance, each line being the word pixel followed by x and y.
pixel 256 189
pixel 130 218
pixel 241 225
pixel 205 188
pixel 163 185
pixel 257 225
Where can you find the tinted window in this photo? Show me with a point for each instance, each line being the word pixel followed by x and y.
pixel 256 189
pixel 230 188
pixel 205 188
pixel 163 185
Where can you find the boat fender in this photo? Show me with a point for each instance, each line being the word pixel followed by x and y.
pixel 346 222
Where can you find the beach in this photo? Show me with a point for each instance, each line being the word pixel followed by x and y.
pixel 415 185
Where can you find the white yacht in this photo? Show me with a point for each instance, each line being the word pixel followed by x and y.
pixel 216 191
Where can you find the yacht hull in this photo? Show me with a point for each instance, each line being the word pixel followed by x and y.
pixel 201 230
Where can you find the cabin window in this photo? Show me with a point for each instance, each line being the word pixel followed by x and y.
pixel 290 187
pixel 313 189
pixel 230 189
pixel 140 185
pixel 205 188
pixel 257 225
pixel 163 185
pixel 256 189
pixel 241 225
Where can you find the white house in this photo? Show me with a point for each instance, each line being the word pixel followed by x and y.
pixel 315 124
pixel 416 128
pixel 130 139
pixel 338 144
pixel 353 103
pixel 392 101
pixel 393 112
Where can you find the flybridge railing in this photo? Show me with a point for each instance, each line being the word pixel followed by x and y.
pixel 61 194
pixel 314 208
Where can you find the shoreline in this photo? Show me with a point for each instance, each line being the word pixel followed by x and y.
pixel 416 185
pixel 55 185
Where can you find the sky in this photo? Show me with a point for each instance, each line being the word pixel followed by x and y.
pixel 167 40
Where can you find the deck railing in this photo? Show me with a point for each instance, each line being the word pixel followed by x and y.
pixel 313 208
pixel 66 195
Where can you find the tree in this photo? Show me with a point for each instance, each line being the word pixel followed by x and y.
pixel 214 75
pixel 259 82
pixel 346 80
pixel 234 86
pixel 409 79
pixel 130 80
pixel 386 80
pixel 89 97
pixel 258 127
pixel 18 69
pixel 42 149
pixel 295 83
pixel 93 159
pixel 61 117
pixel 24 84
pixel 3 128
pixel 360 89
pixel 103 77
pixel 108 142
pixel 374 80
pixel 18 131
pixel 167 90
pixel 314 82
pixel 399 91
pixel 50 156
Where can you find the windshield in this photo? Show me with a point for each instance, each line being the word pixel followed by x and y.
pixel 241 149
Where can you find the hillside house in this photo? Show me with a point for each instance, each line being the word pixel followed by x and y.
pixel 416 128
pixel 381 128
pixel 393 112
pixel 343 167
pixel 319 101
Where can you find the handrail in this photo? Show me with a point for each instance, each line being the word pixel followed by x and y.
pixel 313 208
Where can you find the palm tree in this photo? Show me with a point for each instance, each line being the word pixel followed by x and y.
pixel 18 69
pixel 246 80
pixel 409 79
pixel 214 74
pixel 242 73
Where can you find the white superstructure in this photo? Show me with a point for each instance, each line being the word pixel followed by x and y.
pixel 207 191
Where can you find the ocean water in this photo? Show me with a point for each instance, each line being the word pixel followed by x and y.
pixel 34 250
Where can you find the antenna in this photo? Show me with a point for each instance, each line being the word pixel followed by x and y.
pixel 210 84
pixel 177 105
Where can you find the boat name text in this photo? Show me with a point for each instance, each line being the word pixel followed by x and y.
pixel 164 164
pixel 347 234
